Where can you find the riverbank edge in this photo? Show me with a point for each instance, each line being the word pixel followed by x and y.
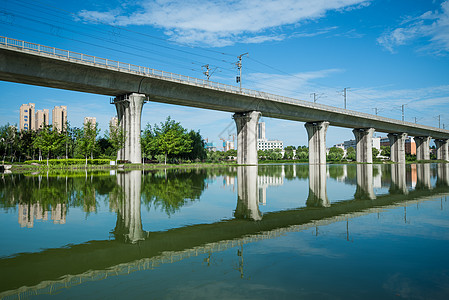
pixel 24 168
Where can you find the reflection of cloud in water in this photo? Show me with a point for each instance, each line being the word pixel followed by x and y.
pixel 284 244
pixel 211 289
pixel 406 287
pixel 391 222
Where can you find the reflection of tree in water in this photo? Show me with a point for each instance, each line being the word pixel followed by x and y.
pixel 270 170
pixel 76 189
pixel 169 190
pixel 301 170
pixel 336 171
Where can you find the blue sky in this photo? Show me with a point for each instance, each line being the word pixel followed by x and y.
pixel 388 52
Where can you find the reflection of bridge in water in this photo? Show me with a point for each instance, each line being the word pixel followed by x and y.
pixel 46 271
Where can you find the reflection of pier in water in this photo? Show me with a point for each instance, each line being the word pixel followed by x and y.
pixel 101 259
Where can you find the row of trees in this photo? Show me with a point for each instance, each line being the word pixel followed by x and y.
pixel 47 143
pixel 170 141
pixel 167 141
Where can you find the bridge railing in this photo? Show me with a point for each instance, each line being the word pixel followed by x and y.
pixel 145 71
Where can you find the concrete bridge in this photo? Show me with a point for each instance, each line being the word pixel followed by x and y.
pixel 132 86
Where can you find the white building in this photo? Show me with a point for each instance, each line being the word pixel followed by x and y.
pixel 263 143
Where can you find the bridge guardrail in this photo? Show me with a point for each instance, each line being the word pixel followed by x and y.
pixel 145 71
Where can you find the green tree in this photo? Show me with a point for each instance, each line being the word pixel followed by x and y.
pixel 350 154
pixel 335 154
pixel 117 139
pixel 170 139
pixel 9 140
pixel 198 151
pixel 48 141
pixel 385 150
pixel 25 144
pixel 375 153
pixel 231 153
pixel 87 139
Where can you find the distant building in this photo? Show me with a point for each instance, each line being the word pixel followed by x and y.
pixel 263 143
pixel 352 143
pixel 268 145
pixel 91 120
pixel 210 146
pixel 261 131
pixel 113 123
pixel 59 117
pixel 341 146
pixel 410 145
pixel 26 121
pixel 228 145
pixel 42 118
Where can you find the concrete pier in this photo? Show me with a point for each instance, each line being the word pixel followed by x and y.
pixel 422 147
pixel 398 179
pixel 365 188
pixel 316 132
pixel 442 149
pixel 246 124
pixel 248 194
pixel 364 140
pixel 442 175
pixel 423 176
pixel 397 145
pixel 129 112
pixel 317 186
pixel 129 223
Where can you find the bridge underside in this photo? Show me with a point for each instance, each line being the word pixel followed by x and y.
pixel 50 71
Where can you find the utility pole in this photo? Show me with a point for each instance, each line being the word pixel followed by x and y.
pixel 344 94
pixel 439 121
pixel 208 72
pixel 375 110
pixel 239 67
pixel 316 96
pixel 403 112
pixel 415 120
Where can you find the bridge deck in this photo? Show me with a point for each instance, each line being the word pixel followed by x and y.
pixel 34 64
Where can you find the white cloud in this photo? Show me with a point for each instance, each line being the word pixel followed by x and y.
pixel 423 103
pixel 433 26
pixel 221 23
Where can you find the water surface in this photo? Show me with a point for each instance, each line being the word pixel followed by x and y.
pixel 270 232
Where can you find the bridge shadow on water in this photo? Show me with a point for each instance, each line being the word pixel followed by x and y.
pixel 132 248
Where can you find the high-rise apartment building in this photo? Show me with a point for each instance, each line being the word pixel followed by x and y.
pixel 113 123
pixel 91 120
pixel 263 143
pixel 261 131
pixel 42 118
pixel 59 117
pixel 26 121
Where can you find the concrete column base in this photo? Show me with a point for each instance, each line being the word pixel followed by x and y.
pixel 129 223
pixel 316 132
pixel 364 140
pixel 248 194
pixel 442 175
pixel 246 124
pixel 397 145
pixel 423 177
pixel 317 186
pixel 442 149
pixel 365 188
pixel 422 147
pixel 129 112
pixel 398 179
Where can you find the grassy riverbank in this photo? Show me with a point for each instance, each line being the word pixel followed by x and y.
pixel 104 165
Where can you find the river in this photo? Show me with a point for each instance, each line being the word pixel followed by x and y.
pixel 287 231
